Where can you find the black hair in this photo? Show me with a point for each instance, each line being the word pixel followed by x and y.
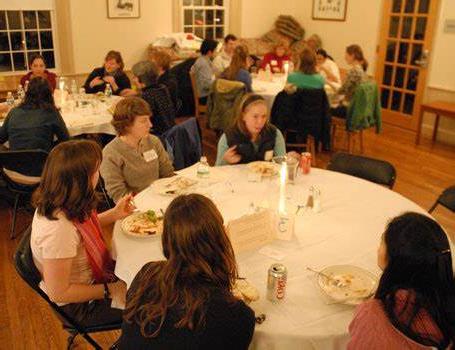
pixel 229 37
pixel 38 95
pixel 36 57
pixel 324 54
pixel 419 262
pixel 208 45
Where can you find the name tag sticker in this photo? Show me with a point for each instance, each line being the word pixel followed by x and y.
pixel 150 155
pixel 268 155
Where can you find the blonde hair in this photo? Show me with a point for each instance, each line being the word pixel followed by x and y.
pixel 248 101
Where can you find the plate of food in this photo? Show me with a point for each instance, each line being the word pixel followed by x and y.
pixel 264 168
pixel 245 291
pixel 174 186
pixel 143 224
pixel 347 284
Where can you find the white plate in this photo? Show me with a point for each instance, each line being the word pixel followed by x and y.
pixel 173 186
pixel 266 169
pixel 360 284
pixel 128 221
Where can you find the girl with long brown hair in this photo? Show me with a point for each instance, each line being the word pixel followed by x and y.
pixel 238 69
pixel 186 301
pixel 66 240
pixel 307 76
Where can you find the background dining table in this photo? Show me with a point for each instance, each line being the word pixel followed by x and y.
pixel 347 230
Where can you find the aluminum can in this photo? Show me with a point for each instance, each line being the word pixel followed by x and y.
pixel 276 282
pixel 305 162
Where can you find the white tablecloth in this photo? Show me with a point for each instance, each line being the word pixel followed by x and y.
pixel 269 89
pixel 346 231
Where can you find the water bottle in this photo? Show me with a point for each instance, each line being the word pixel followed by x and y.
pixel 203 168
pixel 73 88
pixel 10 99
pixel 20 92
pixel 108 90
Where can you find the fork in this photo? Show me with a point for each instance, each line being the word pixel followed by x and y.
pixel 337 283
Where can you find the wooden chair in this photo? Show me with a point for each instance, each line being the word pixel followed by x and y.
pixel 309 145
pixel 446 199
pixel 199 108
pixel 350 135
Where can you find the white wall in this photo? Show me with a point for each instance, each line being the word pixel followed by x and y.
pixel 93 34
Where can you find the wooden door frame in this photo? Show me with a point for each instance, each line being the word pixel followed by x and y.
pixel 396 117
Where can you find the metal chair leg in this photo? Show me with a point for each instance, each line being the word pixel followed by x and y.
pixel 433 207
pixel 70 341
pixel 13 223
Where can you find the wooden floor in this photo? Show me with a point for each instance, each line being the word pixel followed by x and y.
pixel 27 323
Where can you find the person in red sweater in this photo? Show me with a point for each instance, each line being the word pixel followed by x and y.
pixel 414 305
pixel 38 69
pixel 276 59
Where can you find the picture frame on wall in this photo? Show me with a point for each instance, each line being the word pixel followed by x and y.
pixel 123 9
pixel 329 10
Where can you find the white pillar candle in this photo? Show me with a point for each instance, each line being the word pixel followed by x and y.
pixel 282 199
pixel 61 86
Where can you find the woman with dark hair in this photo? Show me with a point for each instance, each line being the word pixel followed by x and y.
pixel 35 122
pixel 67 238
pixel 414 305
pixel 38 69
pixel 111 73
pixel 135 158
pixel 186 301
pixel 203 69
pixel 307 77
pixel 252 137
pixel 238 69
pixel 328 68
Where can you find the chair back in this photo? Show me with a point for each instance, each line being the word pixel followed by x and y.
pixel 25 162
pixel 374 170
pixel 184 86
pixel 198 107
pixel 364 110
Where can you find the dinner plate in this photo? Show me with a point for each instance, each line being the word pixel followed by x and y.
pixel 266 169
pixel 173 186
pixel 358 284
pixel 128 222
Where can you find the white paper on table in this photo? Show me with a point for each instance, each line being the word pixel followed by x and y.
pixel 272 253
pixel 251 231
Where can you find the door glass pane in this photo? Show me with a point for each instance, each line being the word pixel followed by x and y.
pixel 49 58
pixel 416 53
pixel 5 62
pixel 421 25
pixel 409 7
pixel 396 100
pixel 393 29
pixel 46 40
pixel 44 19
pixel 219 17
pixel 219 2
pixel 2 20
pixel 406 27
pixel 14 20
pixel 387 78
pixel 31 39
pixel 188 29
pixel 209 17
pixel 199 18
pixel 424 6
pixel 403 53
pixel 390 54
pixel 17 41
pixel 19 61
pixel 187 17
pixel 385 94
pixel 209 33
pixel 399 77
pixel 4 44
pixel 396 6
pixel 413 75
pixel 219 32
pixel 29 19
pixel 408 106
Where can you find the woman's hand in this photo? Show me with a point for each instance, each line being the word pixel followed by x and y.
pixel 96 81
pixel 124 207
pixel 118 292
pixel 231 156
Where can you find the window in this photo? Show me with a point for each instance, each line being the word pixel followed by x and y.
pixel 22 35
pixel 207 19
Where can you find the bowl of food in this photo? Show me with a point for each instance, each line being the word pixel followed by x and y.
pixel 265 169
pixel 143 224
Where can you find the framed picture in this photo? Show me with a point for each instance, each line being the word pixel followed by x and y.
pixel 123 9
pixel 330 10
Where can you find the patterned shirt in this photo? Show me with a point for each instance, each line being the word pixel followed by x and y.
pixel 355 76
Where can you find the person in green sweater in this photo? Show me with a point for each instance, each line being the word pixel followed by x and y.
pixel 307 76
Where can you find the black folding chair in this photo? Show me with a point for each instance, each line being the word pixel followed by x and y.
pixel 25 162
pixel 374 170
pixel 446 199
pixel 25 267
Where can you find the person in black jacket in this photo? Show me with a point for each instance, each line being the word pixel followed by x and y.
pixel 186 301
pixel 111 73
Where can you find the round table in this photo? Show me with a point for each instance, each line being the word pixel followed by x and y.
pixel 269 89
pixel 346 231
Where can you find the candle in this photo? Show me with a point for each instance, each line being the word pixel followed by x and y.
pixel 282 200
pixel 61 86
pixel 286 67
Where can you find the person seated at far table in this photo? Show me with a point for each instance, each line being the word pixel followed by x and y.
pixel 224 58
pixel 307 77
pixel 38 69
pixel 414 304
pixel 328 68
pixel 134 158
pixel 185 302
pixel 67 240
pixel 252 137
pixel 238 69
pixel 276 59
pixel 203 69
pixel 110 73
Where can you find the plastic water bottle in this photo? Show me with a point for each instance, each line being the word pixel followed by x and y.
pixel 203 168
pixel 73 88
pixel 10 99
pixel 20 92
pixel 108 90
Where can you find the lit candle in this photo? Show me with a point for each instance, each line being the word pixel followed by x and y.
pixel 286 67
pixel 282 200
pixel 61 85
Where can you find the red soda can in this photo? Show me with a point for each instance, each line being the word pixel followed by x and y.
pixel 305 162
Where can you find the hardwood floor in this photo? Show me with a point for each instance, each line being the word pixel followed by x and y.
pixel 26 322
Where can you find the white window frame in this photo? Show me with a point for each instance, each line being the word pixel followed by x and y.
pixel 25 50
pixel 193 7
